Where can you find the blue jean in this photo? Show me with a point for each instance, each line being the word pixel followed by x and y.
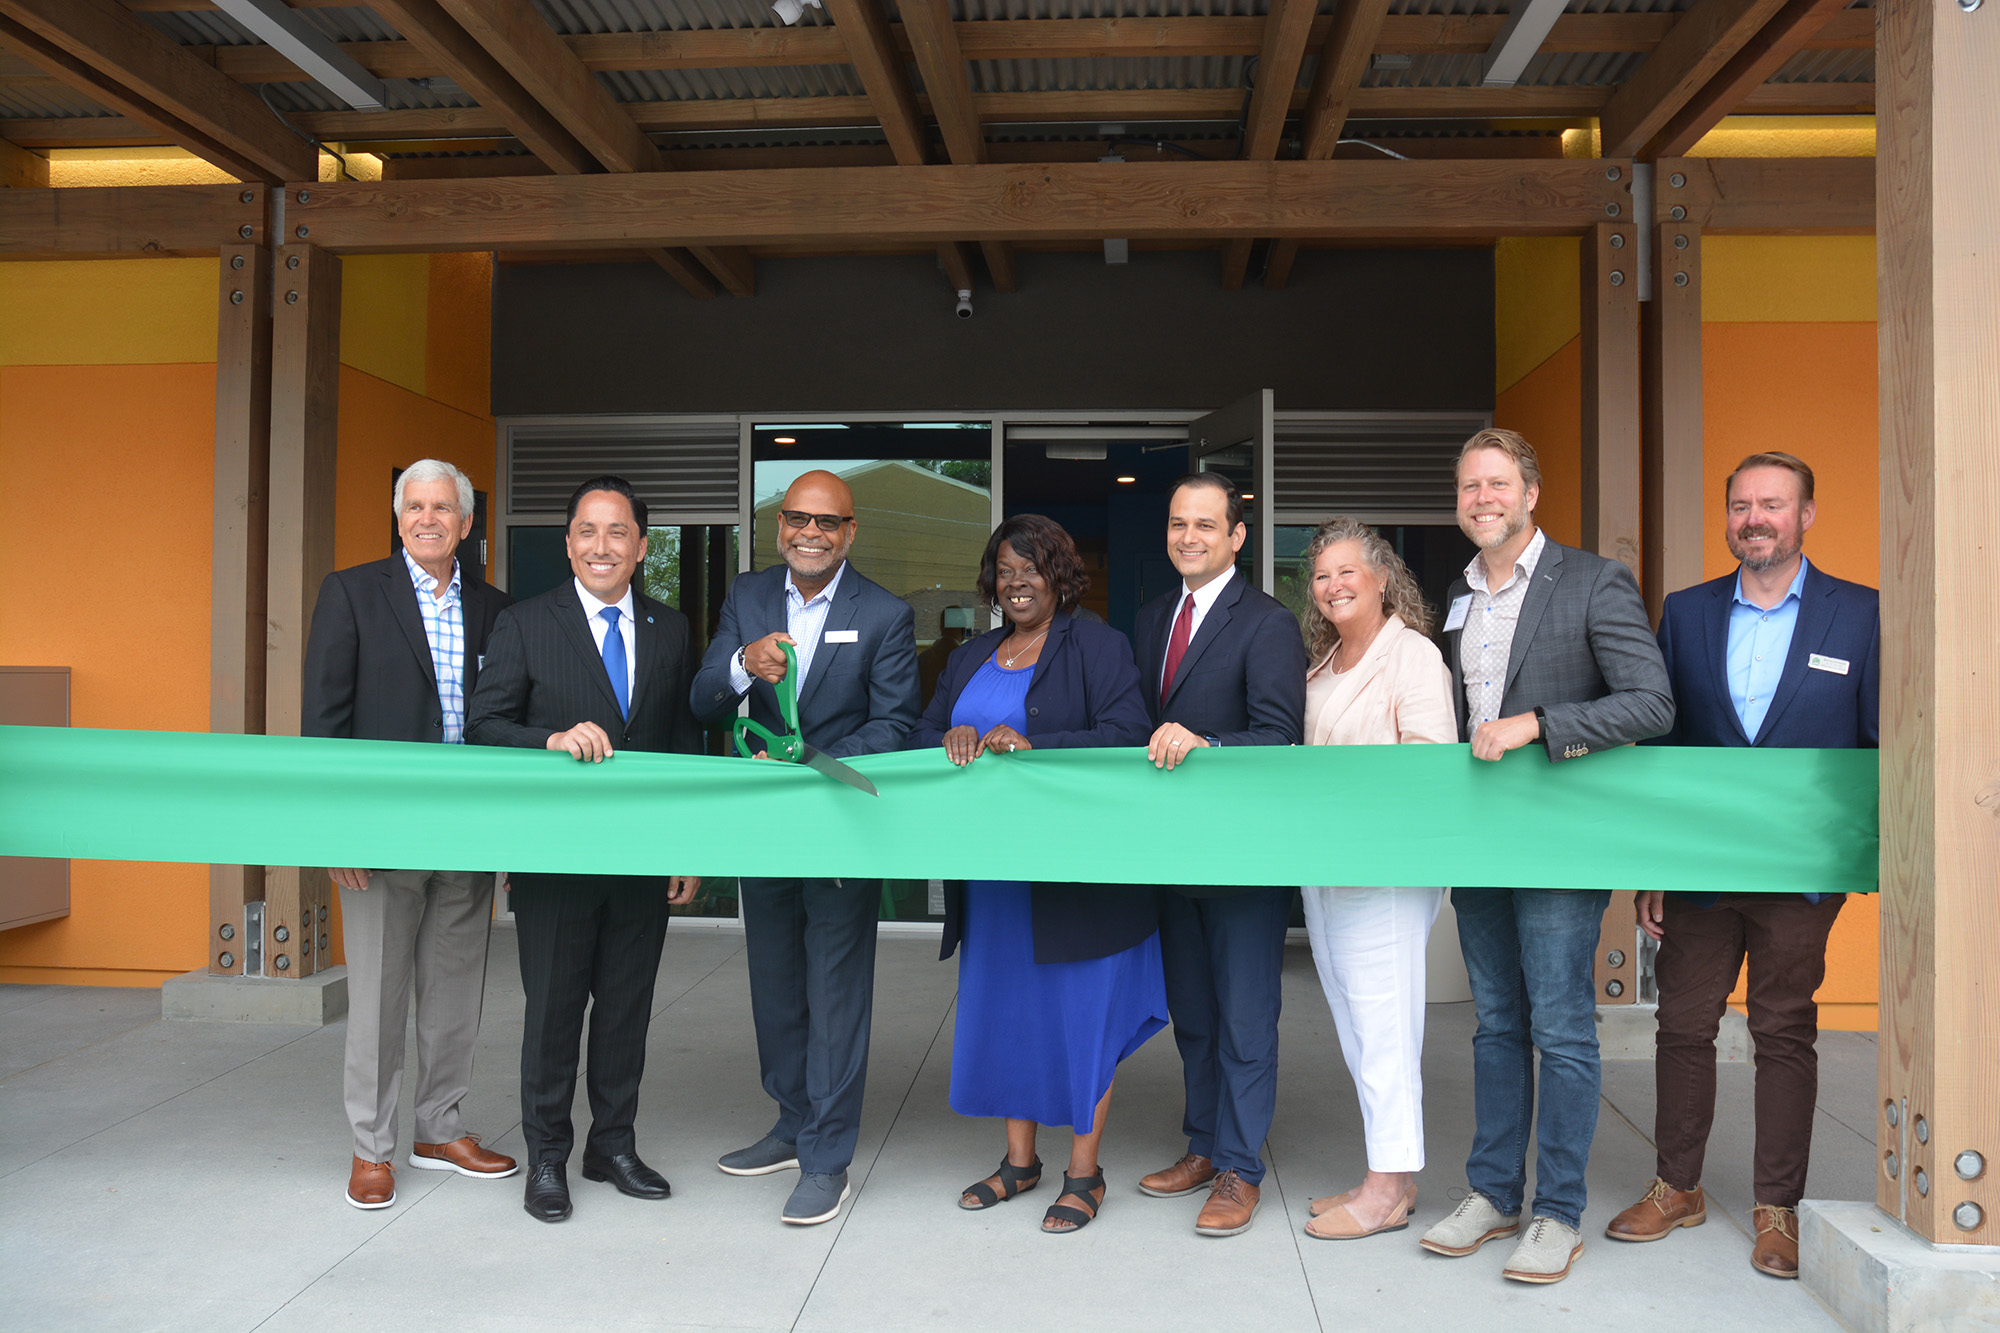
pixel 1529 954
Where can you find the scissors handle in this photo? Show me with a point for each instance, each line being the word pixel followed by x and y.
pixel 790 747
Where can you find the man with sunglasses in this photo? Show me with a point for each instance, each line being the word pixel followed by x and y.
pixel 811 940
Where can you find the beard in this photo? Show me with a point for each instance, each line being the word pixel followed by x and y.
pixel 1506 530
pixel 1782 551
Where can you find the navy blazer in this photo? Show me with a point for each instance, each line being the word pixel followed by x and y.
pixel 1242 680
pixel 859 697
pixel 1084 693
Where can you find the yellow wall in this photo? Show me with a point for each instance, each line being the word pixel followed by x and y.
pixel 107 403
pixel 1788 362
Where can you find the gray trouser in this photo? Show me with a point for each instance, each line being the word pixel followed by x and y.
pixel 427 928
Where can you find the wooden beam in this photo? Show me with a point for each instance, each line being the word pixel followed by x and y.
pixel 1761 57
pixel 21 169
pixel 1670 395
pixel 1708 35
pixel 1278 62
pixel 1771 195
pixel 529 50
pixel 865 30
pixel 238 570
pixel 933 43
pixel 305 407
pixel 141 72
pixel 1611 438
pixel 129 221
pixel 1335 87
pixel 683 269
pixel 934 205
pixel 1939 281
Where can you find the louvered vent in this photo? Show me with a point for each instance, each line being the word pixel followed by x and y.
pixel 1392 466
pixel 677 466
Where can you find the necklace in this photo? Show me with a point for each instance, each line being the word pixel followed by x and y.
pixel 1023 649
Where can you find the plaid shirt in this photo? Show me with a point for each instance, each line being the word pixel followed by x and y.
pixel 444 626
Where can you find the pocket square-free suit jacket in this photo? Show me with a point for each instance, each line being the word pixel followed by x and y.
pixel 1583 654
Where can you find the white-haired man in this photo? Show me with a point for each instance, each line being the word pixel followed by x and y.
pixel 394 651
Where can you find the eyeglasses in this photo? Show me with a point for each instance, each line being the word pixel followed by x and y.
pixel 798 518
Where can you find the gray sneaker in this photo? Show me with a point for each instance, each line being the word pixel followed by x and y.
pixel 1546 1251
pixel 816 1199
pixel 761 1158
pixel 1475 1221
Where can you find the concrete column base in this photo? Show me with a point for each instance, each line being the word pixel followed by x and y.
pixel 1877 1276
pixel 313 1001
pixel 1625 1032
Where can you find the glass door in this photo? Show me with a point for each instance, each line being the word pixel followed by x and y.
pixel 1236 441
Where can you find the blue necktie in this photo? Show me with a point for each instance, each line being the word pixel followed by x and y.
pixel 614 662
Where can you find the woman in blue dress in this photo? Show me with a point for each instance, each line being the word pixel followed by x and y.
pixel 1057 983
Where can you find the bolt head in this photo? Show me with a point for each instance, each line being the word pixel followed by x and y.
pixel 1969 1165
pixel 1892 1113
pixel 1616 958
pixel 1612 173
pixel 284 963
pixel 1680 242
pixel 246 231
pixel 1612 210
pixel 291 261
pixel 1923 1130
pixel 1889 1165
pixel 291 298
pixel 1678 180
pixel 1617 278
pixel 225 960
pixel 1680 279
pixel 322 942
pixel 303 232
pixel 1968 1216
pixel 236 261
pixel 1923 1183
pixel 1614 988
pixel 1618 240
pixel 247 197
pixel 305 196
pixel 1677 213
pixel 236 298
pixel 322 914
pixel 226 931
pixel 1968 5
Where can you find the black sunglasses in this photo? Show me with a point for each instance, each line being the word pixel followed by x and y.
pixel 798 518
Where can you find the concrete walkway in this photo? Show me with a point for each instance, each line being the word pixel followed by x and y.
pixel 174 1175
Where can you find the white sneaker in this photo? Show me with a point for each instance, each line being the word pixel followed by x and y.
pixel 1474 1222
pixel 1545 1253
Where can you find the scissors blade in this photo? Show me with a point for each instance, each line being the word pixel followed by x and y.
pixel 838 771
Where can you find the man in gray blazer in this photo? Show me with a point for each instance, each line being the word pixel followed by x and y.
pixel 1548 645
pixel 811 940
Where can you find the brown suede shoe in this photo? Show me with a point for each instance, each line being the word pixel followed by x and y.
pixel 1183 1177
pixel 1232 1203
pixel 464 1156
pixel 1662 1210
pixel 371 1184
pixel 1777 1249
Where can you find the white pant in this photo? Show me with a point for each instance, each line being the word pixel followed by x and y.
pixel 1369 947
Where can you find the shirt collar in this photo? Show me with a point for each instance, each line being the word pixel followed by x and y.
pixel 591 606
pixel 1797 590
pixel 824 595
pixel 1524 564
pixel 427 585
pixel 1205 595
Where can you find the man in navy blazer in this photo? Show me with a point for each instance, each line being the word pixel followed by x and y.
pixel 1776 654
pixel 1220 663
pixel 811 940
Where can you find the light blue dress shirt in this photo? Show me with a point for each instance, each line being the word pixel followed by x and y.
pixel 804 621
pixel 1759 641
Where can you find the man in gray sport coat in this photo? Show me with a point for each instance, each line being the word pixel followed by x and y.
pixel 1548 645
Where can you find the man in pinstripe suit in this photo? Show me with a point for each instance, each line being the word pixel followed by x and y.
pixel 1548 645
pixel 590 667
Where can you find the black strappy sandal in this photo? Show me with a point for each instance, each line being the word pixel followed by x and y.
pixel 1080 1186
pixel 1013 1179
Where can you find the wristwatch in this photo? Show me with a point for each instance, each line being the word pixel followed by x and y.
pixel 741 664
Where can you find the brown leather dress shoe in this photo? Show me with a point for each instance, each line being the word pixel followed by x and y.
pixel 464 1156
pixel 1662 1210
pixel 1232 1203
pixel 1183 1177
pixel 371 1184
pixel 1777 1249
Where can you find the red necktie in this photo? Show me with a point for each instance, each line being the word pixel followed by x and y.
pixel 1177 643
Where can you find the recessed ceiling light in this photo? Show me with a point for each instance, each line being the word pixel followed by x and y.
pixel 1248 495
pixel 1127 480
pixel 784 439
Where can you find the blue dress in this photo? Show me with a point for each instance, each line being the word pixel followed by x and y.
pixel 1038 1041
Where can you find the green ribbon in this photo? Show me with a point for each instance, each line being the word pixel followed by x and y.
pixel 1706 820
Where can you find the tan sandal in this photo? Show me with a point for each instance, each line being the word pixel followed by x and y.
pixel 1319 1206
pixel 1336 1223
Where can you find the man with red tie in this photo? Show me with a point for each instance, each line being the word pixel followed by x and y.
pixel 1223 664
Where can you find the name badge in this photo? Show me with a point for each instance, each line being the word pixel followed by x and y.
pixel 1455 618
pixel 854 636
pixel 1837 666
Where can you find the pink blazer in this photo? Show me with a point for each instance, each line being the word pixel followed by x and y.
pixel 1399 693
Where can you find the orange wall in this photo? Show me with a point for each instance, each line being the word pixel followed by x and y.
pixel 106 398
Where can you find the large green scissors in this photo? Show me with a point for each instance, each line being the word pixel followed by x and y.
pixel 791 747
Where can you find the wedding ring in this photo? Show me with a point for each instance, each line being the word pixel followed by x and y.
pixel 1175 741
pixel 1010 747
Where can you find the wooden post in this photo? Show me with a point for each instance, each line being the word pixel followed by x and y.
pixel 305 404
pixel 1938 268
pixel 1611 392
pixel 237 585
pixel 1671 393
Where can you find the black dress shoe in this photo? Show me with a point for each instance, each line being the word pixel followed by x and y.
pixel 628 1173
pixel 547 1197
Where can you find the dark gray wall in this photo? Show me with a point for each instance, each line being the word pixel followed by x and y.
pixel 1394 329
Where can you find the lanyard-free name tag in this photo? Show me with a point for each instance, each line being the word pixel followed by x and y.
pixel 1455 618
pixel 1837 665
pixel 854 636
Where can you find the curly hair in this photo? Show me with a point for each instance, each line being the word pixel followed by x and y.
pixel 1048 547
pixel 1400 594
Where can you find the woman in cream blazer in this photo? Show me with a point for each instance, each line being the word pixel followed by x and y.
pixel 1376 680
